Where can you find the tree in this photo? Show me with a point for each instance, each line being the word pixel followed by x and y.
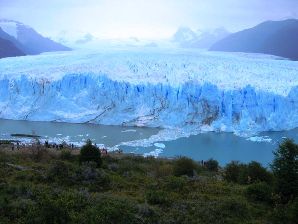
pixel 212 165
pixel 184 166
pixel 257 173
pixel 259 192
pixel 285 170
pixel 235 172
pixel 90 153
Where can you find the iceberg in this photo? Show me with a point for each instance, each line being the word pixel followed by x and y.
pixel 165 88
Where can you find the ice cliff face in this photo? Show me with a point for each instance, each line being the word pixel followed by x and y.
pixel 224 92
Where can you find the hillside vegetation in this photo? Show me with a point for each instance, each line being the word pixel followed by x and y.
pixel 43 186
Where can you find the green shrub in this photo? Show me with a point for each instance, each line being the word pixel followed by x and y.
pixel 112 210
pixel 212 165
pixel 173 183
pixel 163 170
pixel 235 208
pixel 90 153
pixel 184 166
pixel 96 179
pixel 65 154
pixel 58 170
pixel 157 197
pixel 285 170
pixel 235 172
pixel 257 173
pixel 261 192
pixel 285 213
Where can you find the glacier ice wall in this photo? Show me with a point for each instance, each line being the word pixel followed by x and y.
pixel 202 91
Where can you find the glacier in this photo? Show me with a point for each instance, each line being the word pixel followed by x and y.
pixel 189 90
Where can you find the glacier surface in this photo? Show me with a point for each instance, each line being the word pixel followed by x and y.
pixel 172 89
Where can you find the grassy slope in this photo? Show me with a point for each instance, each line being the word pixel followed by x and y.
pixel 45 188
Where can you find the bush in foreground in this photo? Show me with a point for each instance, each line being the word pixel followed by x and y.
pixel 90 153
pixel 212 165
pixel 285 170
pixel 259 192
pixel 184 166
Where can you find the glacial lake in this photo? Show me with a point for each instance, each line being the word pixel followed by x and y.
pixel 223 147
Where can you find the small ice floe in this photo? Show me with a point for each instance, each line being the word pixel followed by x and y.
pixel 59 134
pixel 260 139
pixel 80 135
pixel 159 145
pixel 104 136
pixel 284 137
pixel 154 153
pixel 129 130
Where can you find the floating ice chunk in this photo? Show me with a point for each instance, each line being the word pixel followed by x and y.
pixel 154 153
pixel 259 139
pixel 129 130
pixel 159 145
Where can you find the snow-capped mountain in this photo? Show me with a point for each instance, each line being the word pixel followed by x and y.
pixel 184 35
pixel 177 89
pixel 272 37
pixel 82 40
pixel 187 38
pixel 30 42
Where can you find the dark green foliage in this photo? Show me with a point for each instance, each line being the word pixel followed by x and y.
pixel 111 210
pixel 246 174
pixel 257 173
pixel 235 172
pixel 129 189
pixel 96 179
pixel 184 166
pixel 65 154
pixel 173 183
pixel 58 169
pixel 260 192
pixel 285 170
pixel 285 213
pixel 158 197
pixel 212 165
pixel 90 153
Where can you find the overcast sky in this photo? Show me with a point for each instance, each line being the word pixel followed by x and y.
pixel 143 18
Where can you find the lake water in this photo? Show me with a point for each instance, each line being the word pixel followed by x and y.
pixel 223 147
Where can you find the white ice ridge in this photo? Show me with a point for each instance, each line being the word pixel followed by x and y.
pixel 168 89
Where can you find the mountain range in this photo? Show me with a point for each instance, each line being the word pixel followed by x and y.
pixel 278 38
pixel 187 38
pixel 19 39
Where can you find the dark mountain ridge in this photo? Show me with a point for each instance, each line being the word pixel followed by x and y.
pixel 27 39
pixel 278 38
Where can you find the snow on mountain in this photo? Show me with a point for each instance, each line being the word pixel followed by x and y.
pixel 187 38
pixel 81 40
pixel 184 34
pixel 10 27
pixel 30 40
pixel 155 88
